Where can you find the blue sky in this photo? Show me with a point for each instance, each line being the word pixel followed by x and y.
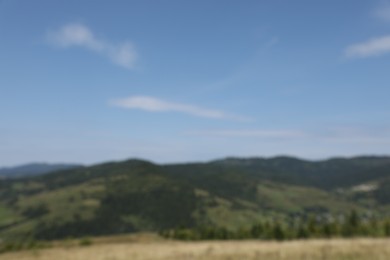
pixel 175 81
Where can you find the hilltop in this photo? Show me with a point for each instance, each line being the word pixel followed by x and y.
pixel 137 195
pixel 32 169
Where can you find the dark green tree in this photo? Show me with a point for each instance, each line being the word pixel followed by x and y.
pixel 387 228
pixel 278 231
pixel 302 232
pixel 257 231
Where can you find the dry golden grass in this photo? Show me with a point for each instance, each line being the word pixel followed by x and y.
pixel 337 249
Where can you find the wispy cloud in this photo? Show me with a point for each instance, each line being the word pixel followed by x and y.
pixel 79 35
pixel 374 47
pixel 257 133
pixel 272 42
pixel 358 135
pixel 339 135
pixel 382 12
pixel 152 104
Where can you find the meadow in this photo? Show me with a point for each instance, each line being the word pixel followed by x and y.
pixel 157 249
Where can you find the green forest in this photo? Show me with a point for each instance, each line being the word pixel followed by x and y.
pixel 233 198
pixel 352 225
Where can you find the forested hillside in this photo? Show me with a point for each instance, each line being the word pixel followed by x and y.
pixel 233 193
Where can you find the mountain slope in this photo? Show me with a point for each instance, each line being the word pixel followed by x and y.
pixel 137 195
pixel 34 169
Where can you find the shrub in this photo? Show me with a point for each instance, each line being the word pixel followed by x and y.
pixel 86 241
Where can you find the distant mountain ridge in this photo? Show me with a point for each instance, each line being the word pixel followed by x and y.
pixel 137 195
pixel 32 169
pixel 326 174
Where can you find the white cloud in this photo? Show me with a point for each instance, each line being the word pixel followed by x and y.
pixel 373 47
pixel 75 35
pixel 124 55
pixel 250 133
pixel 78 35
pixel 383 12
pixel 157 105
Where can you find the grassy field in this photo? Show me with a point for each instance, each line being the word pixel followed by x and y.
pixel 143 249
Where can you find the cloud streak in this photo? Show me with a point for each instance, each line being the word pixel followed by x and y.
pixel 361 135
pixel 152 104
pixel 339 135
pixel 374 47
pixel 383 12
pixel 78 35
pixel 258 133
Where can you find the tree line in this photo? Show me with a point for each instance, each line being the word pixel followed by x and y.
pixel 313 226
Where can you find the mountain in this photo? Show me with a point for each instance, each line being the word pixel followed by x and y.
pixel 136 195
pixel 34 169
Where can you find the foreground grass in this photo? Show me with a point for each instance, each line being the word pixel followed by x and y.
pixel 122 249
